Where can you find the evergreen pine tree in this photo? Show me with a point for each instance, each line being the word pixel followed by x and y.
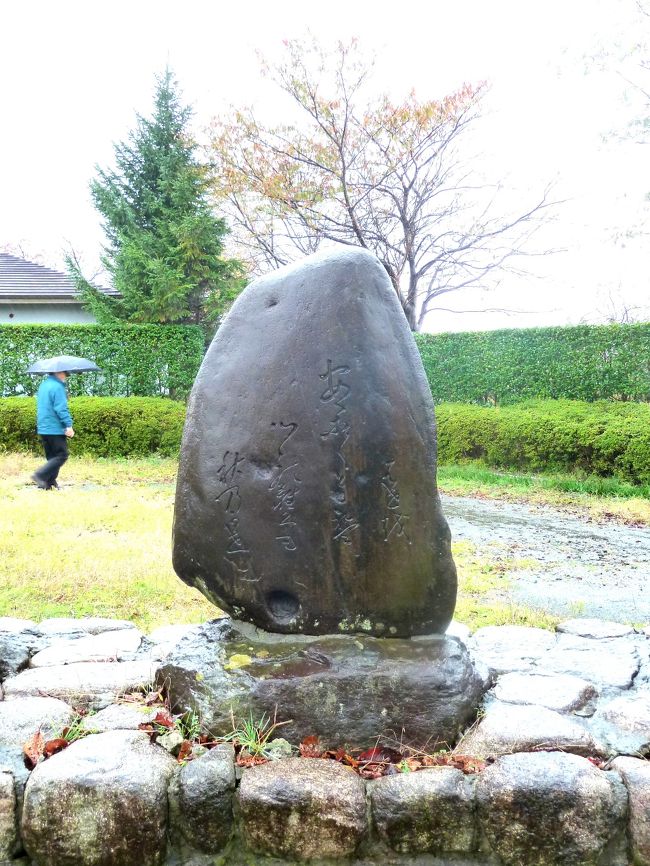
pixel 164 247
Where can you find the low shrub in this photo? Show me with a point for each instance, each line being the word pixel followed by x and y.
pixel 602 438
pixel 104 426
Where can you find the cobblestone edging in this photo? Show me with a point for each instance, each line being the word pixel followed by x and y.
pixel 115 798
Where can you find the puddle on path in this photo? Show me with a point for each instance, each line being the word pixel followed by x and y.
pixel 585 568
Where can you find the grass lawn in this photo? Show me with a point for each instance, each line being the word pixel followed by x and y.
pixel 101 545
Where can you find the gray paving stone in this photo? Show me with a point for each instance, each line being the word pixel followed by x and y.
pixel 508 648
pixel 302 809
pixel 550 810
pixel 8 835
pixel 636 776
pixel 103 800
pixel 428 811
pixel 69 626
pixel 118 717
pixel 507 728
pixel 594 628
pixel 22 717
pixel 103 647
pixel 93 685
pixel 607 663
pixel 563 694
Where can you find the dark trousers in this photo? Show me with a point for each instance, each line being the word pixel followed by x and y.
pixel 56 453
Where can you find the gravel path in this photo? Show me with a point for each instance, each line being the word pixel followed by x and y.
pixel 582 568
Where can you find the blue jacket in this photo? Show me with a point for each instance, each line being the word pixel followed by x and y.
pixel 52 413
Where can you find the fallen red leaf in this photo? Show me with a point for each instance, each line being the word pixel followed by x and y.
pixel 310 747
pixel 381 755
pixel 185 751
pixel 245 760
pixel 53 746
pixel 33 749
pixel 164 719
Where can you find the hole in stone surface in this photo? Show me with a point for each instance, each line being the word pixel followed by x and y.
pixel 271 302
pixel 283 606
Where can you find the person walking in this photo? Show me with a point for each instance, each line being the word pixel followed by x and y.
pixel 54 426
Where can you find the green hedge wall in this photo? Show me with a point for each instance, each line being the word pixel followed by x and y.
pixel 603 438
pixel 104 426
pixel 136 360
pixel 588 362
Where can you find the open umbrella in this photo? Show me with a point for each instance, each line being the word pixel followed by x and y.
pixel 62 364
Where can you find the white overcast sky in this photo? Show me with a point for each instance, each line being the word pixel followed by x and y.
pixel 73 75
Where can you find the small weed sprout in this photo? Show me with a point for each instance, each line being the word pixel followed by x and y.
pixel 253 736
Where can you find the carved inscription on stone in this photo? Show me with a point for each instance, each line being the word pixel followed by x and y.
pixel 306 496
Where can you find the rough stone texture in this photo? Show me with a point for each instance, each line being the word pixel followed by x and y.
pixel 345 689
pixel 428 811
pixel 306 498
pixel 104 647
pixel 505 648
pixel 201 796
pixel 459 630
pixel 549 809
pixel 608 663
pixel 163 640
pixel 636 775
pixel 118 717
pixel 563 694
pixel 19 638
pixel 594 628
pixel 22 717
pixel 89 684
pixel 8 835
pixel 507 728
pixel 625 722
pixel 68 627
pixel 302 809
pixel 100 802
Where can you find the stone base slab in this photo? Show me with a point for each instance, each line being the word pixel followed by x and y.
pixel 347 690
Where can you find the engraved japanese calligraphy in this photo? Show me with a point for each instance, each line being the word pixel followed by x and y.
pixel 306 496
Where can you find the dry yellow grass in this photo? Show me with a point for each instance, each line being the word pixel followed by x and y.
pixel 99 546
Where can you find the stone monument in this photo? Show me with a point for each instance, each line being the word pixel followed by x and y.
pixel 306 499
pixel 306 507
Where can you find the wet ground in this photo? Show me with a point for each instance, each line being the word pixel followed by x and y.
pixel 577 567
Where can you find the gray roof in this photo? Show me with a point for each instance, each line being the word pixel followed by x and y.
pixel 20 279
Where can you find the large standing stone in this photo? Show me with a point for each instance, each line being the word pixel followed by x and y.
pixel 306 498
pixel 549 809
pixel 302 809
pixel 100 802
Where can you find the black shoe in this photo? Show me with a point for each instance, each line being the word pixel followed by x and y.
pixel 53 486
pixel 38 481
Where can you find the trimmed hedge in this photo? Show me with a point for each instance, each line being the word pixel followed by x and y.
pixel 602 438
pixel 104 426
pixel 136 360
pixel 587 362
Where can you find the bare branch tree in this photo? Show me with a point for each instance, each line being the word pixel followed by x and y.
pixel 386 176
